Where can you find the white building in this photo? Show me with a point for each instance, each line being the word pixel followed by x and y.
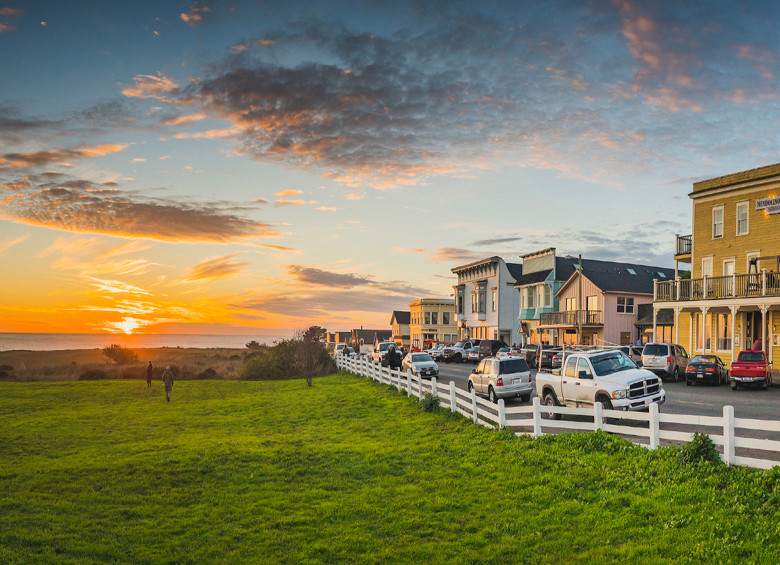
pixel 487 305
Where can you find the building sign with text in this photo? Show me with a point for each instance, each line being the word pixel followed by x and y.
pixel 770 205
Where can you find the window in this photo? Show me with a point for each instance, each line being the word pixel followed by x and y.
pixel 427 318
pixel 459 301
pixel 706 267
pixel 530 296
pixel 625 305
pixel 583 369
pixel 547 293
pixel 571 364
pixel 631 271
pixel 571 304
pixel 742 218
pixel 493 299
pixel 482 298
pixel 474 302
pixel 592 303
pixel 722 332
pixel 435 318
pixel 445 318
pixel 717 222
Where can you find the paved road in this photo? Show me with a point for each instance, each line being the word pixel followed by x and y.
pixel 699 400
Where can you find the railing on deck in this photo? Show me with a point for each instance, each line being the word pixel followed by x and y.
pixel 571 318
pixel 755 285
pixel 684 245
pixel 648 429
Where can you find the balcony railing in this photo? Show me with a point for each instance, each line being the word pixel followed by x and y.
pixel 754 285
pixel 571 318
pixel 684 245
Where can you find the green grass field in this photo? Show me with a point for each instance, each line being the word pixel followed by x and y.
pixel 346 471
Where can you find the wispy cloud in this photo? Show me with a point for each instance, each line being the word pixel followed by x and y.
pixel 215 268
pixel 285 193
pixel 158 87
pixel 8 242
pixel 198 11
pixel 116 287
pixel 289 202
pixel 42 158
pixel 87 207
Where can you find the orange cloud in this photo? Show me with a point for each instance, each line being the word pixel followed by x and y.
pixel 215 268
pixel 184 119
pixel 197 12
pixel 285 193
pixel 150 86
pixel 40 158
pixel 289 202
pixel 7 243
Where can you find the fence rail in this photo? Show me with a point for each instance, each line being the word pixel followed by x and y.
pixel 648 429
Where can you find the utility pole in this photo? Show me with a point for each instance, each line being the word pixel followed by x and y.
pixel 579 305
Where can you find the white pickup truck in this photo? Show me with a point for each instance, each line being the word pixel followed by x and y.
pixel 458 352
pixel 606 376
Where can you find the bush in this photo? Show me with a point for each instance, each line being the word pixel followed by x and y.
pixel 429 403
pixel 700 448
pixel 288 359
pixel 93 375
pixel 8 368
pixel 208 374
pixel 120 355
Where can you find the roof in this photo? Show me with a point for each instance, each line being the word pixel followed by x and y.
pixel 371 335
pixel 612 276
pixel 493 259
pixel 533 278
pixel 665 316
pixel 400 317
pixel 515 269
pixel 734 178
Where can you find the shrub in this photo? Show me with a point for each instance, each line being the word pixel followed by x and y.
pixel 253 345
pixel 4 374
pixel 93 375
pixel 700 448
pixel 429 403
pixel 208 374
pixel 8 368
pixel 120 355
pixel 288 359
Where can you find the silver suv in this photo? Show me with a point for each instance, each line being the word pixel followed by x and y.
pixel 667 360
pixel 502 378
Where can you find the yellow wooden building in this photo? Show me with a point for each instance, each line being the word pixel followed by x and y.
pixel 733 296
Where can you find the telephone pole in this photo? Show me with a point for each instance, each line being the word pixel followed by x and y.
pixel 579 304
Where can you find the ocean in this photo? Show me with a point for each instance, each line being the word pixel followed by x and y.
pixel 56 342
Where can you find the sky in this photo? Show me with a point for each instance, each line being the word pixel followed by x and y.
pixel 260 167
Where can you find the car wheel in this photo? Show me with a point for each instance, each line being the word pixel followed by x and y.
pixel 606 404
pixel 676 375
pixel 492 395
pixel 549 400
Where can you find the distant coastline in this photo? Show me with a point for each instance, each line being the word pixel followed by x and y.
pixel 60 342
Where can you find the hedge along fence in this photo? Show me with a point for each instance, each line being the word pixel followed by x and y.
pixel 642 428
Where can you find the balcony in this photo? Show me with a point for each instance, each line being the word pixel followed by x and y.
pixel 754 285
pixel 683 246
pixel 572 318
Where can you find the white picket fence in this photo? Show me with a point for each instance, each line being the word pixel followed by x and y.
pixel 648 429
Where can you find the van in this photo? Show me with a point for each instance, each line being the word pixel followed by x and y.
pixel 489 347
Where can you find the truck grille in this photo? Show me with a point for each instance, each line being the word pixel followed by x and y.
pixel 643 388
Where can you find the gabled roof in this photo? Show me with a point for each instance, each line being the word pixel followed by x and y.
pixel 369 336
pixel 400 317
pixel 611 276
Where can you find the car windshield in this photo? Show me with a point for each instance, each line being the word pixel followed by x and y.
pixel 421 357
pixel 475 349
pixel 658 349
pixel 459 344
pixel 512 366
pixel 611 363
pixel 751 356
pixel 385 346
pixel 704 359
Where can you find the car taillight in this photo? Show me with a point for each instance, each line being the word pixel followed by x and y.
pixel 690 369
pixel 668 359
pixel 500 382
pixel 710 370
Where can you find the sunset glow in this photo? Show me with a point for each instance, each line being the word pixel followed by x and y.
pixel 238 168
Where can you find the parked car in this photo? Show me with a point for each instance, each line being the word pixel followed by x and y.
pixel 435 352
pixel 529 351
pixel 502 378
pixel 339 348
pixel 557 360
pixel 706 369
pixel 532 352
pixel 458 352
pixel 667 360
pixel 548 352
pixel 351 352
pixel 380 352
pixel 473 355
pixel 421 365
pixel 750 368
pixel 605 376
pixel 516 352
pixel 503 353
pixel 634 353
pixel 489 347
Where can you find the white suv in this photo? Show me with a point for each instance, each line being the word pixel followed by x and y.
pixel 502 378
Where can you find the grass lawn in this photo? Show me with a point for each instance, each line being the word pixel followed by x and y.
pixel 346 471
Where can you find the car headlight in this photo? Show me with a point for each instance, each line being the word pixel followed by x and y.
pixel 619 394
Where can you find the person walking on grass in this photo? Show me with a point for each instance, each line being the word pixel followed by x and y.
pixel 168 380
pixel 149 371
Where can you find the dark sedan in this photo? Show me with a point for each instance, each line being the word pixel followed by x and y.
pixel 706 369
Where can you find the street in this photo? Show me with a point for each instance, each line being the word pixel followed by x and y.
pixel 699 400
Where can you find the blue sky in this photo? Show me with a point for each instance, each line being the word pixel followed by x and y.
pixel 231 166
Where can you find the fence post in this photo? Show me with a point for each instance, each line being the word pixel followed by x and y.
pixel 655 430
pixel 598 416
pixel 475 416
pixel 409 382
pixel 728 434
pixel 434 390
pixel 537 417
pixel 453 405
pixel 501 414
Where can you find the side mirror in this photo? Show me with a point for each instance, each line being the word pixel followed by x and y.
pixel 585 375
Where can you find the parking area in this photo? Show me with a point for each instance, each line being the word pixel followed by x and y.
pixel 700 400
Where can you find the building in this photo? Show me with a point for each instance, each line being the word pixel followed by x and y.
pixel 733 295
pixel 399 322
pixel 432 320
pixel 543 275
pixel 486 302
pixel 334 338
pixel 601 303
pixel 364 340
pixel 664 324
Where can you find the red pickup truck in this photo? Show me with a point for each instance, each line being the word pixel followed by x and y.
pixel 750 368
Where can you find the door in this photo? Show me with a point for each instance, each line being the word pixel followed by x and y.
pixel 569 382
pixel 728 270
pixel 479 376
pixel 706 271
pixel 585 390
